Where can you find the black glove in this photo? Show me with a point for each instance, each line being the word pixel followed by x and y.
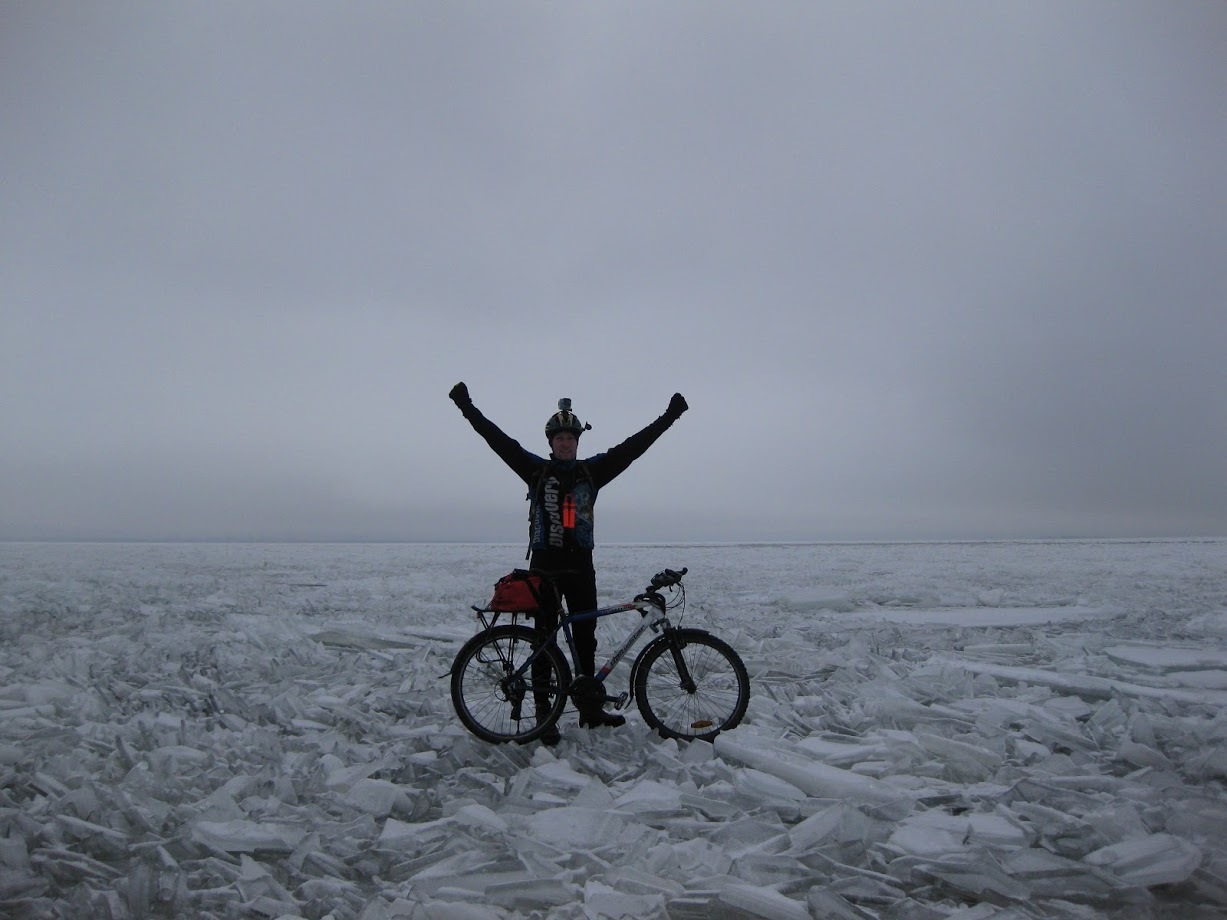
pixel 459 394
pixel 677 405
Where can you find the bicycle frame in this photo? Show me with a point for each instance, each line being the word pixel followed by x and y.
pixel 654 618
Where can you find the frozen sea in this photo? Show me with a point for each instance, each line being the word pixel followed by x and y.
pixel 964 730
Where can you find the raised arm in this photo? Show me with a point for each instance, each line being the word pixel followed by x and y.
pixel 523 463
pixel 604 467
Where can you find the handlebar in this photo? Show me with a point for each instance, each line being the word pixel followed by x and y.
pixel 667 579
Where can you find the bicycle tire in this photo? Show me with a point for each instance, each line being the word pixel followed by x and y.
pixel 490 709
pixel 722 686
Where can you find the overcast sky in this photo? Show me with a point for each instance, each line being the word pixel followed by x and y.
pixel 922 270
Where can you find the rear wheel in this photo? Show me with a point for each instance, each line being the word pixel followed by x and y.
pixel 493 700
pixel 689 684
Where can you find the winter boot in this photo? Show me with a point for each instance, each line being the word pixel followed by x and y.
pixel 551 736
pixel 590 699
pixel 599 718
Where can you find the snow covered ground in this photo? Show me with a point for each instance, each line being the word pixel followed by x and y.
pixel 973 730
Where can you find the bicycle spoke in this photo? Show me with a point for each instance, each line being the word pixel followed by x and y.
pixel 713 698
pixel 496 696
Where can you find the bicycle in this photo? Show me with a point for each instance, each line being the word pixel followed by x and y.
pixel 687 683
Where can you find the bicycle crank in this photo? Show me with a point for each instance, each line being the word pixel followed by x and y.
pixel 590 692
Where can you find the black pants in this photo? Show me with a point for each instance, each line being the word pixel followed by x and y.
pixel 575 578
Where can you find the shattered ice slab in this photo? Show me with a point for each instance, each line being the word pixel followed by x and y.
pixel 964 762
pixel 766 787
pixel 650 798
pixel 687 859
pixel 710 806
pixel 480 818
pixel 818 828
pixel 1168 658
pixel 741 900
pixel 1142 755
pixel 1088 686
pixel 1195 667
pixel 633 880
pixel 247 836
pixel 557 775
pixel 398 834
pixel 601 900
pixel 805 773
pixel 975 873
pixel 817 599
pixel 378 797
pixel 406 639
pixel 537 894
pixel 1205 680
pixel 934 833
pixel 843 752
pixel 1159 859
pixel 575 827
pixel 1050 875
pixel 1213 623
pixel 987 616
pixel 828 905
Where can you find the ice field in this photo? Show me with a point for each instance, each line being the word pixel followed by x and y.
pixel 968 730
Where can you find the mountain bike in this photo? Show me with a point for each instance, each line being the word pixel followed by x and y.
pixel 511 682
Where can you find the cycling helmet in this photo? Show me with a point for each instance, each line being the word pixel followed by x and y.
pixel 564 420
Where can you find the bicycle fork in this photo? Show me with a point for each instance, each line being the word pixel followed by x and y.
pixel 685 681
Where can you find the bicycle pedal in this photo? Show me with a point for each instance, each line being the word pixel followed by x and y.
pixel 618 701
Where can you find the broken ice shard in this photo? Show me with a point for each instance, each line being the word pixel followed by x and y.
pixel 1160 859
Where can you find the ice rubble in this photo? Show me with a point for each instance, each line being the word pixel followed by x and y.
pixel 176 745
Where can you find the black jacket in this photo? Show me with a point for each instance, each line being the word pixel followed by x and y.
pixel 563 492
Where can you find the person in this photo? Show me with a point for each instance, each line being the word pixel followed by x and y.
pixel 562 491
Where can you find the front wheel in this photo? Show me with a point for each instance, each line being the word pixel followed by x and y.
pixel 494 700
pixel 689 684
